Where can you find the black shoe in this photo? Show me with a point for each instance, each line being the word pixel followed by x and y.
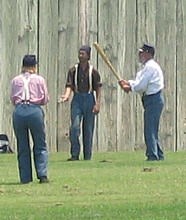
pixel 161 158
pixel 26 182
pixel 43 179
pixel 151 159
pixel 87 158
pixel 72 159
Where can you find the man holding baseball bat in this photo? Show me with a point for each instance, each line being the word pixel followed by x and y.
pixel 149 83
pixel 83 79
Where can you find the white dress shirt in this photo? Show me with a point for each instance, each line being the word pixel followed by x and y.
pixel 149 80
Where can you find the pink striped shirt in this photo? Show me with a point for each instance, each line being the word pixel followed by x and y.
pixel 37 89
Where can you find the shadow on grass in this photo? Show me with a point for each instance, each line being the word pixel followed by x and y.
pixel 9 183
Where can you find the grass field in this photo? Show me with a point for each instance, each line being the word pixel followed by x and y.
pixel 112 186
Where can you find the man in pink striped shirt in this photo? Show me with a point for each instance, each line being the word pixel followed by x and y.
pixel 28 93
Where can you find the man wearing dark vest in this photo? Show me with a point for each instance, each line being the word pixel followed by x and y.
pixel 83 79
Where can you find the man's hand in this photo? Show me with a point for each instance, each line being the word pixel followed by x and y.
pixel 63 98
pixel 124 84
pixel 96 108
pixel 66 95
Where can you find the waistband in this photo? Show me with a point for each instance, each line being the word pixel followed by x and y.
pixel 83 93
pixel 28 103
pixel 144 95
pixel 25 102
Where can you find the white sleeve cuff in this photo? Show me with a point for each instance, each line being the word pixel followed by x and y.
pixel 132 83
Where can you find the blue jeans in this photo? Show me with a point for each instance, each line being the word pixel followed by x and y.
pixel 29 117
pixel 81 111
pixel 153 106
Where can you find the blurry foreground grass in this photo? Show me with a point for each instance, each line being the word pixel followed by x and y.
pixel 111 186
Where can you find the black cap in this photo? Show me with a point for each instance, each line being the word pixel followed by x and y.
pixel 147 48
pixel 86 48
pixel 29 60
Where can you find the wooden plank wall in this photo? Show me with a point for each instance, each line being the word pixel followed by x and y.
pixel 180 75
pixel 166 43
pixel 54 30
pixel 68 46
pixel 19 35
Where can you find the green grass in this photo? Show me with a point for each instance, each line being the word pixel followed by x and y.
pixel 111 186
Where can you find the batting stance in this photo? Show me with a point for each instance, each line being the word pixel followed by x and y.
pixel 83 79
pixel 149 83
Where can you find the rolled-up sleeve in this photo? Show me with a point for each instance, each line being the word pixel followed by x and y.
pixel 96 80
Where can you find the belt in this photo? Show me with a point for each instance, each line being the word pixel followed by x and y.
pixel 151 94
pixel 25 102
pixel 82 93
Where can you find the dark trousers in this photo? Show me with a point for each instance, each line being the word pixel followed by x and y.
pixel 153 106
pixel 81 111
pixel 29 117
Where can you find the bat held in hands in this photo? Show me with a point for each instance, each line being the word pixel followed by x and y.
pixel 106 59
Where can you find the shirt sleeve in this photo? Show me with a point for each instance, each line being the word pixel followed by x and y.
pixel 96 80
pixel 45 90
pixel 70 79
pixel 141 81
pixel 16 91
pixel 12 92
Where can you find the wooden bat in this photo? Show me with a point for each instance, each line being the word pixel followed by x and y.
pixel 107 61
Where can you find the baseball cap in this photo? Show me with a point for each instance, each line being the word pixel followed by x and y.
pixel 147 48
pixel 86 48
pixel 29 60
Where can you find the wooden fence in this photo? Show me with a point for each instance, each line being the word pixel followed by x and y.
pixel 55 29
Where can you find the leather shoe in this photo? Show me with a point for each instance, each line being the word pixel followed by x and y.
pixel 72 159
pixel 26 182
pixel 43 179
pixel 153 159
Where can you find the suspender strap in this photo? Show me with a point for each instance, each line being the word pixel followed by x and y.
pixel 26 92
pixel 90 78
pixel 75 77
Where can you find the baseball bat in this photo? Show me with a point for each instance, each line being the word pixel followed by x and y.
pixel 107 61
